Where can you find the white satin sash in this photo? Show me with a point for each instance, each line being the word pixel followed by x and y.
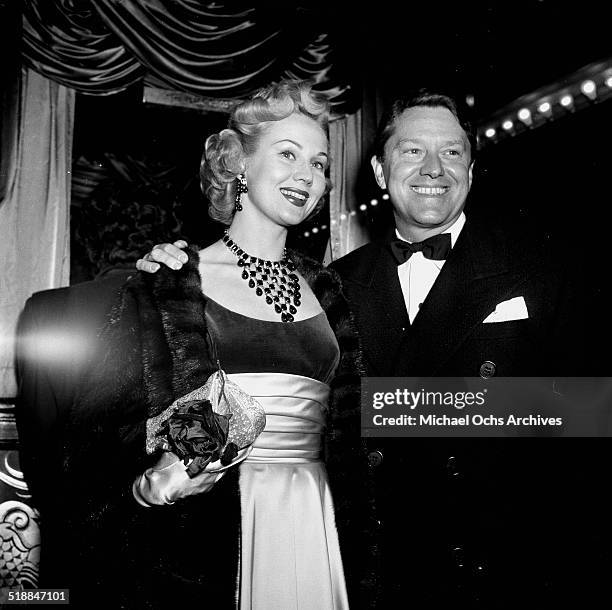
pixel 295 409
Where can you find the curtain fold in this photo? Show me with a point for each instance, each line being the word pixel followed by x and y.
pixel 346 229
pixel 34 216
pixel 10 71
pixel 66 41
pixel 212 49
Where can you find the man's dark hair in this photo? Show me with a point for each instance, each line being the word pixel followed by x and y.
pixel 422 97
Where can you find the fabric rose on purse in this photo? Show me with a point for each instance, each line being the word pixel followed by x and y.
pixel 211 428
pixel 198 436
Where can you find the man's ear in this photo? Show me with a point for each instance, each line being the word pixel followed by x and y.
pixel 470 173
pixel 378 172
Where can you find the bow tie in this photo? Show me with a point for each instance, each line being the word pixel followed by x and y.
pixel 436 248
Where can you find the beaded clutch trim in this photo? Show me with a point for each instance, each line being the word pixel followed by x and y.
pixel 248 418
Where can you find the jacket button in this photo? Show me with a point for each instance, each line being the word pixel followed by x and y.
pixel 375 459
pixel 487 369
pixel 458 556
pixel 452 467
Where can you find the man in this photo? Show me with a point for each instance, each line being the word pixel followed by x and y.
pixel 424 158
pixel 469 523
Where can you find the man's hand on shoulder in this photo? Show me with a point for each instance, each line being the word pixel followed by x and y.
pixel 171 255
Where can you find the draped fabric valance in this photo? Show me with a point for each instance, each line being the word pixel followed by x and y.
pixel 213 49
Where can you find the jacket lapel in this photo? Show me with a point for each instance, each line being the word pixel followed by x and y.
pixel 479 274
pixel 379 309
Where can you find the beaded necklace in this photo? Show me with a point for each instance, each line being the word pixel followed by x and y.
pixel 274 280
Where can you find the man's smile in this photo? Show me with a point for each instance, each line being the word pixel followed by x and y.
pixel 430 191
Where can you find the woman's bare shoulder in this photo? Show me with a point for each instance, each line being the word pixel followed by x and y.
pixel 218 271
pixel 213 254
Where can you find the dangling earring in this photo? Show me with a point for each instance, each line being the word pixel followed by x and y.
pixel 240 188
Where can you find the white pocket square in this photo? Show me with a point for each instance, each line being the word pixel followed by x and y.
pixel 513 309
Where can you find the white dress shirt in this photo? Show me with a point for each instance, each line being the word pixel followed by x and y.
pixel 418 274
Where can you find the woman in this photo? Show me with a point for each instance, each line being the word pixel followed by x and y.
pixel 263 535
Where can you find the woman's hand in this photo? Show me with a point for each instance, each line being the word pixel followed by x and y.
pixel 170 255
pixel 168 482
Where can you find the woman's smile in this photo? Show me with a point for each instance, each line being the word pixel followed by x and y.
pixel 296 197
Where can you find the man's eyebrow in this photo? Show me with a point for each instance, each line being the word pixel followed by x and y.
pixel 324 154
pixel 459 141
pixel 445 143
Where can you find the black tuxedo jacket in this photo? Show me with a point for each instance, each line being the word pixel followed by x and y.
pixel 482 523
pixel 488 265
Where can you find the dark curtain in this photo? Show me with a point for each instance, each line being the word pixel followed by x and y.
pixel 10 70
pixel 135 180
pixel 122 205
pixel 225 50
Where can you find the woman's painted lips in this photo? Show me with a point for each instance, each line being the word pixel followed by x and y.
pixel 295 196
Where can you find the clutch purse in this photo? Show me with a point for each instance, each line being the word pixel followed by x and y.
pixel 211 429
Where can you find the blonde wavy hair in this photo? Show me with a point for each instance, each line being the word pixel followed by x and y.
pixel 225 152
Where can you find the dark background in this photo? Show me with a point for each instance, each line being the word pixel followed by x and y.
pixel 136 166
